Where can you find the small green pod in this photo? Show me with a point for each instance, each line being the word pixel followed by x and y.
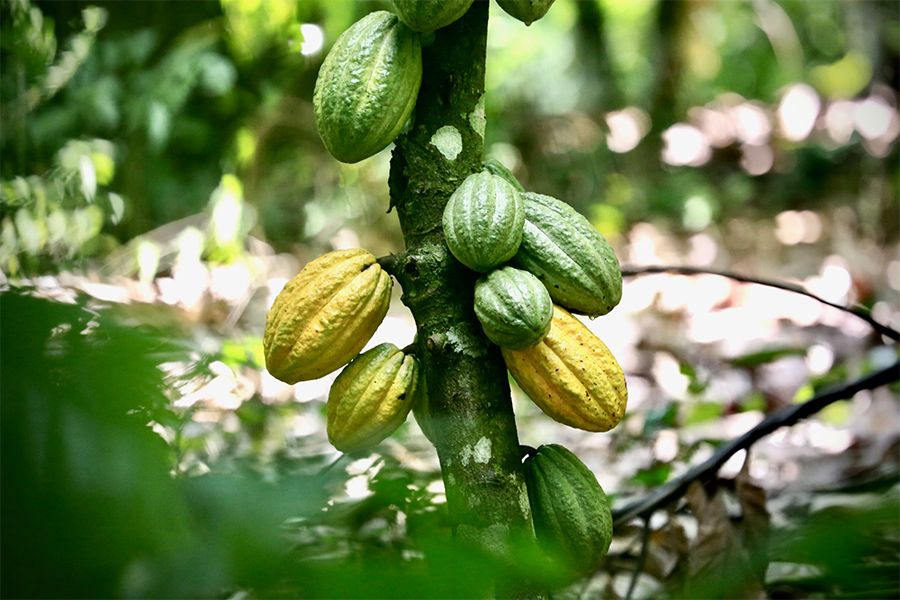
pixel 527 11
pixel 427 15
pixel 483 221
pixel 513 307
pixel 371 398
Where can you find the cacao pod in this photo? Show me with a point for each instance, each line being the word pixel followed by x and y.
pixel 571 375
pixel 527 11
pixel 367 87
pixel 371 398
pixel 571 514
pixel 513 307
pixel 495 167
pixel 574 261
pixel 428 15
pixel 483 221
pixel 325 315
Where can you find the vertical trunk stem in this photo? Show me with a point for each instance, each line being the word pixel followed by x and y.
pixel 468 388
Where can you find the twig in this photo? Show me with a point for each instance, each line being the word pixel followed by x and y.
pixel 857 311
pixel 390 262
pixel 642 558
pixel 780 418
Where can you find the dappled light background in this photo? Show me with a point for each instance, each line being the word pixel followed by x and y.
pixel 160 162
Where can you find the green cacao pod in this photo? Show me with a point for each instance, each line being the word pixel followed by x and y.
pixel 527 11
pixel 325 315
pixel 483 221
pixel 513 307
pixel 574 261
pixel 571 375
pixel 428 15
pixel 367 87
pixel 371 398
pixel 497 168
pixel 571 514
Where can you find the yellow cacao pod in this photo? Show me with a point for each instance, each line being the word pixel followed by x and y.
pixel 371 398
pixel 571 375
pixel 325 315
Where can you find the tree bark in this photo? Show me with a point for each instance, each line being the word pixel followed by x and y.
pixel 468 389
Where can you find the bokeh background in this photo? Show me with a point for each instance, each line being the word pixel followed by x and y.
pixel 162 179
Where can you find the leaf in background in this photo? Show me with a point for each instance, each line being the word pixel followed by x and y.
pixel 700 412
pixel 665 417
pixel 719 566
pixel 753 525
pixel 653 476
pixel 755 359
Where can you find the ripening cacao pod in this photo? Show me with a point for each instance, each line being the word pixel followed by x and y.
pixel 571 514
pixel 371 398
pixel 483 221
pixel 574 261
pixel 428 15
pixel 513 307
pixel 325 315
pixel 571 375
pixel 367 87
pixel 527 11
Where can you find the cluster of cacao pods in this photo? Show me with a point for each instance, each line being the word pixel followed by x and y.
pixel 319 322
pixel 541 259
pixel 367 86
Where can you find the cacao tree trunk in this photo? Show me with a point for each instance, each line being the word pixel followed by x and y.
pixel 468 388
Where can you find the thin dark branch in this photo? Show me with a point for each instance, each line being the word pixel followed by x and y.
pixel 780 418
pixel 642 558
pixel 857 311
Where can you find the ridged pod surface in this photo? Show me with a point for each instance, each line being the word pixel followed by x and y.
pixel 371 398
pixel 527 11
pixel 571 375
pixel 574 261
pixel 367 86
pixel 513 307
pixel 483 221
pixel 325 315
pixel 571 514
pixel 428 15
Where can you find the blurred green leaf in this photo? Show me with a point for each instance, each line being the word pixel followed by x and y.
pixel 701 412
pixel 755 359
pixel 653 476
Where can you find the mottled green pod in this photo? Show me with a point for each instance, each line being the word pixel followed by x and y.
pixel 371 398
pixel 483 221
pixel 367 87
pixel 572 518
pixel 574 261
pixel 527 11
pixel 428 15
pixel 513 307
